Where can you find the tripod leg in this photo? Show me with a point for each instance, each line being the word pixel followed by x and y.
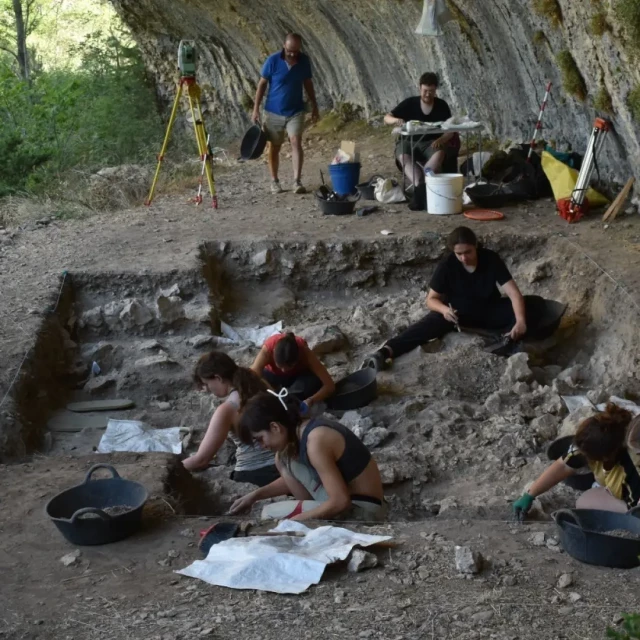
pixel 202 140
pixel 165 143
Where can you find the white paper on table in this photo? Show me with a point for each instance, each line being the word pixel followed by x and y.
pixel 460 122
pixel 282 564
pixel 575 402
pixel 255 335
pixel 621 402
pixel 132 435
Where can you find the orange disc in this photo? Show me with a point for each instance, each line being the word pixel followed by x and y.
pixel 483 214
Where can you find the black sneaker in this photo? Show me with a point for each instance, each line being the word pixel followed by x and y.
pixel 377 361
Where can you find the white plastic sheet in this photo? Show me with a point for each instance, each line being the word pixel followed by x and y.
pixel 282 564
pixel 255 335
pixel 434 14
pixel 132 435
pixel 575 402
pixel 621 402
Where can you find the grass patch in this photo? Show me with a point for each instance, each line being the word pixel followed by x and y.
pixel 549 9
pixel 465 26
pixel 599 24
pixel 633 100
pixel 539 38
pixel 627 14
pixel 572 79
pixel 602 101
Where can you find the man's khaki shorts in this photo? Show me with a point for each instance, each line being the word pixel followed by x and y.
pixel 275 126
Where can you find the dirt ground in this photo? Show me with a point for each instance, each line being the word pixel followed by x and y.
pixel 128 589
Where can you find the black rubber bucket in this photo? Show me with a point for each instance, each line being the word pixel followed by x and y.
pixel 488 196
pixel 367 189
pixel 79 512
pixel 253 143
pixel 583 535
pixel 356 390
pixel 558 449
pixel 337 207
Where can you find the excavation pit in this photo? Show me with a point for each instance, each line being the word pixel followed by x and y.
pixel 454 429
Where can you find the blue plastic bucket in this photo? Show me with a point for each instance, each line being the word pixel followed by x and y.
pixel 345 177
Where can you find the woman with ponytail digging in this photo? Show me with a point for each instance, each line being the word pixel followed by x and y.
pixel 220 375
pixel 601 442
pixel 326 468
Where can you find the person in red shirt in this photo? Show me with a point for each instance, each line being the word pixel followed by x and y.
pixel 285 360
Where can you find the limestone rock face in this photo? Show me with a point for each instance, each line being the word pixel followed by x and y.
pixel 494 60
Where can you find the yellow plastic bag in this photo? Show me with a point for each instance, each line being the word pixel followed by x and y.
pixel 563 181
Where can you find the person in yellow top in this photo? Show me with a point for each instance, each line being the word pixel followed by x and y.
pixel 604 442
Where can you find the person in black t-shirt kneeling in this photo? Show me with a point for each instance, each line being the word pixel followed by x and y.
pixel 464 292
pixel 428 150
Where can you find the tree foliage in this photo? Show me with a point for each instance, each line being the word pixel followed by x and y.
pixel 97 108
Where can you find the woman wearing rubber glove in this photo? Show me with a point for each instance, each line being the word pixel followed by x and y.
pixel 601 442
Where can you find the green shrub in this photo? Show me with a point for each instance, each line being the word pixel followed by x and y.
pixel 627 13
pixel 602 101
pixel 633 100
pixel 572 79
pixel 630 629
pixel 599 24
pixel 549 9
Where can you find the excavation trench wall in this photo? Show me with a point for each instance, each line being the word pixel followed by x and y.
pixel 146 331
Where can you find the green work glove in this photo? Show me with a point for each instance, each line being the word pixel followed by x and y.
pixel 522 505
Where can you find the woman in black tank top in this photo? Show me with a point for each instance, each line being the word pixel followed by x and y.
pixel 322 464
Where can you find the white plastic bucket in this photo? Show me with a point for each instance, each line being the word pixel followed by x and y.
pixel 444 193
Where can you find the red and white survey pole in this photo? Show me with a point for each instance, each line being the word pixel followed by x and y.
pixel 539 123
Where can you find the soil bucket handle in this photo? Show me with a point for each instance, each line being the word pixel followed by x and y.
pixel 634 511
pixel 564 514
pixel 98 512
pixel 114 473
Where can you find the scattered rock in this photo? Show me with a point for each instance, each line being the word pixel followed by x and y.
pixel 91 318
pixel 467 560
pixel 448 504
pixel 537 271
pixel 150 362
pixel 375 437
pixel 597 396
pixel 323 339
pixel 565 611
pixel 574 597
pixel 187 533
pixel 135 314
pixel 99 383
pixel 482 616
pixel 201 340
pixel 261 258
pixel 509 581
pixel 357 423
pixel 164 406
pixel 517 370
pixel 571 376
pixel 545 427
pixel 564 581
pixel 538 539
pixel 170 309
pixel 172 291
pixel 571 423
pixel 71 559
pixel 361 560
pixel 105 354
pixel 149 345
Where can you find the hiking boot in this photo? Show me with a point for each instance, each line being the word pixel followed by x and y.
pixel 275 186
pixel 298 187
pixel 378 361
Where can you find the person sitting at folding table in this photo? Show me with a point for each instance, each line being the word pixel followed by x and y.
pixel 463 292
pixel 602 443
pixel 431 150
pixel 285 360
pixel 327 468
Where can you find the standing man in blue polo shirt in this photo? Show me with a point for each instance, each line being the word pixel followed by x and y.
pixel 286 73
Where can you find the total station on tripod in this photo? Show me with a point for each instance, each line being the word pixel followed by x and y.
pixel 188 84
pixel 187 58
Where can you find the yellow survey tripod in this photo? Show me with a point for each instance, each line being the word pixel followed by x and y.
pixel 187 66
